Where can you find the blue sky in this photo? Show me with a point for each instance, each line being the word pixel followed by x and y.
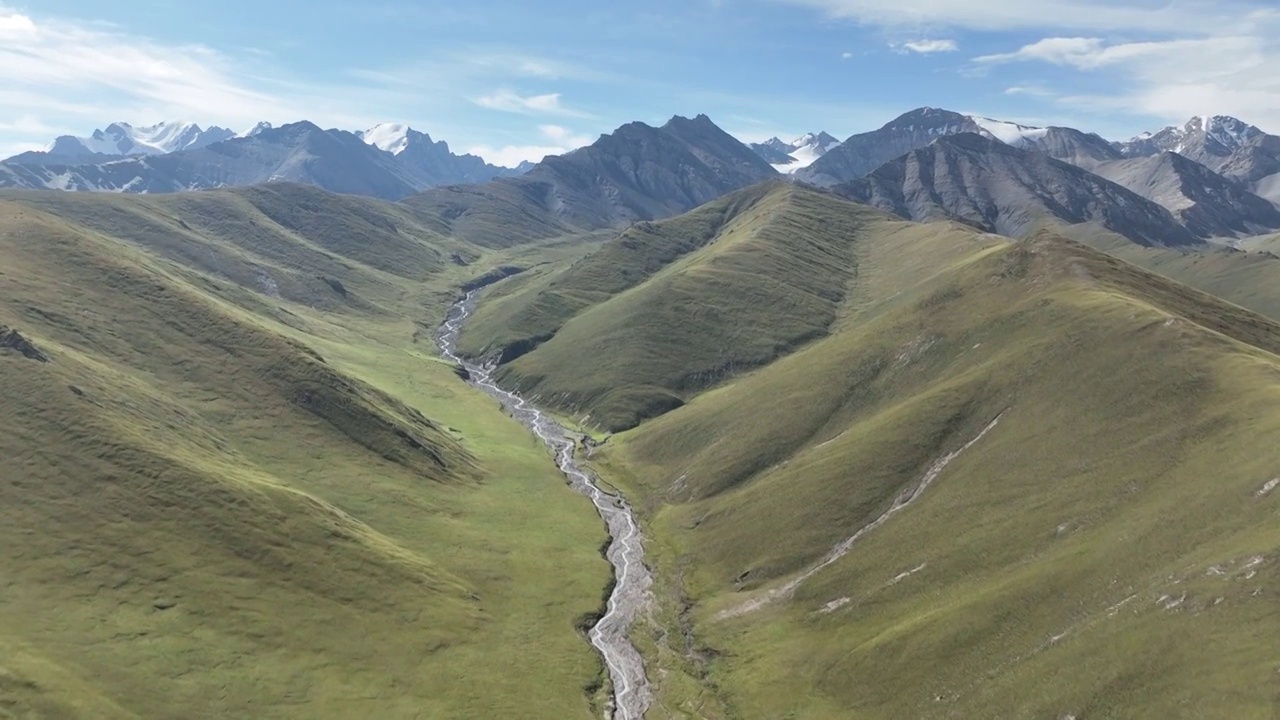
pixel 513 79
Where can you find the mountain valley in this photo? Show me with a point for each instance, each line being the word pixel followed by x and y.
pixel 958 417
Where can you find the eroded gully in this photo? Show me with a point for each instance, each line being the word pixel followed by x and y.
pixel 610 635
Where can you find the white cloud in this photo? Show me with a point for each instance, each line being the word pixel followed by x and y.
pixel 510 101
pixel 13 25
pixel 564 137
pixel 71 77
pixel 926 47
pixel 1138 15
pixel 68 77
pixel 558 141
pixel 846 55
pixel 51 62
pixel 1231 74
pixel 1030 90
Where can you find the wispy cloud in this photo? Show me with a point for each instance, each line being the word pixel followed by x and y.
pixel 68 76
pixel 65 76
pixel 557 141
pixel 52 61
pixel 926 47
pixel 513 102
pixel 1172 79
pixel 1029 90
pixel 1164 58
pixel 1139 15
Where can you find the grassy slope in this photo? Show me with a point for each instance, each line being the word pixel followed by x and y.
pixel 498 214
pixel 528 310
pixel 1247 277
pixel 187 443
pixel 1103 552
pixel 667 310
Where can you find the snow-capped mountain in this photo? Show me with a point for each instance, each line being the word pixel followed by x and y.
pixel 1201 138
pixel 1224 144
pixel 123 139
pixel 388 161
pixel 863 153
pixel 788 157
pixel 388 137
pixel 1002 188
pixel 256 129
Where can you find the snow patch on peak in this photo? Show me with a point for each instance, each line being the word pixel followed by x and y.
pixel 121 138
pixel 257 129
pixel 1229 131
pixel 389 137
pixel 1009 133
pixel 804 150
pixel 819 140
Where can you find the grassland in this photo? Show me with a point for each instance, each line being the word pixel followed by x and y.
pixel 1106 551
pixel 242 486
pixel 670 309
pixel 243 483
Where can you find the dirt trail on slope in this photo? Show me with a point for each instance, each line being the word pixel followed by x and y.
pixel 900 503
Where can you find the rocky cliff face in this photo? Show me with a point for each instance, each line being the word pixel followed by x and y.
pixel 859 155
pixel 637 172
pixel 1003 189
pixel 1206 203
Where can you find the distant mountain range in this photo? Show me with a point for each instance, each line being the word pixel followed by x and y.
pixel 635 173
pixel 1212 175
pixel 121 139
pixel 1210 178
pixel 388 161
pixel 1010 191
pixel 788 157
pixel 859 155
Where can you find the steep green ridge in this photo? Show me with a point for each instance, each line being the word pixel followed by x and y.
pixel 1106 550
pixel 667 310
pixel 259 504
pixel 526 311
pixel 1247 276
pixel 285 241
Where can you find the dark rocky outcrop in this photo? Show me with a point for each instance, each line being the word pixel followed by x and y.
pixel 11 339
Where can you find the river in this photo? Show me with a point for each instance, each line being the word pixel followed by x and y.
pixel 611 634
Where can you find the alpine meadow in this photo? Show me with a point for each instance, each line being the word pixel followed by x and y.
pixel 600 412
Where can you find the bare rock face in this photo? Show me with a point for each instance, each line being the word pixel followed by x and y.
pixel 1210 141
pixel 1003 189
pixel 861 154
pixel 1208 204
pixel 857 156
pixel 1233 148
pixel 636 173
pixel 11 339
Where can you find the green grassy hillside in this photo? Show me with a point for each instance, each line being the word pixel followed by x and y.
pixel 1247 276
pixel 669 309
pixel 1104 550
pixel 242 503
pixel 501 213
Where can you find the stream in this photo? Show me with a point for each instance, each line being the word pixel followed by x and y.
pixel 631 694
